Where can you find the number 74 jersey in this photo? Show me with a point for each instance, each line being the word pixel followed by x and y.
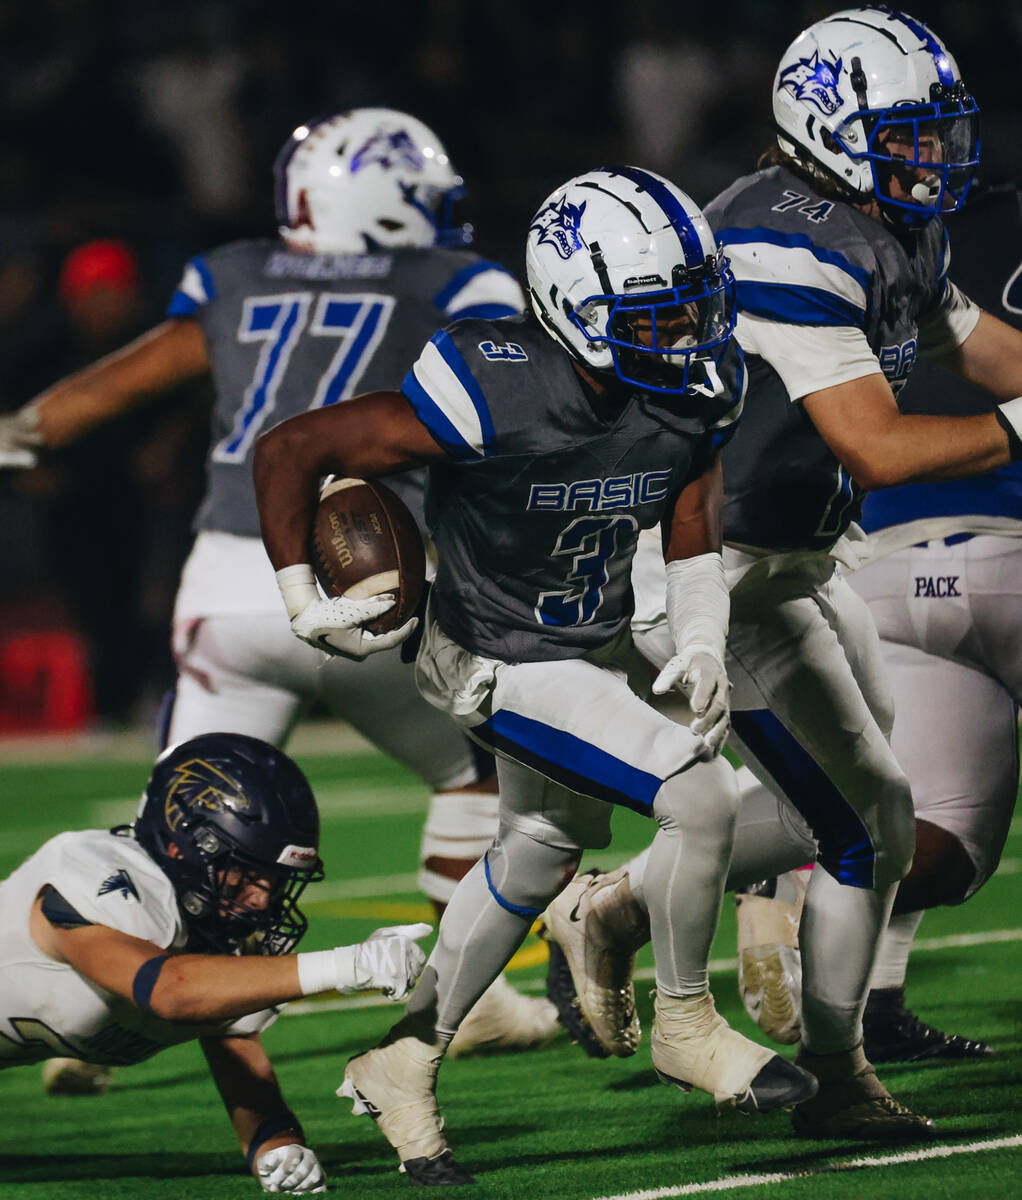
pixel 287 332
pixel 536 513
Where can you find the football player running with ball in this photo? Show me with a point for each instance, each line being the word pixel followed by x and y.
pixel 115 945
pixel 841 264
pixel 366 268
pixel 552 441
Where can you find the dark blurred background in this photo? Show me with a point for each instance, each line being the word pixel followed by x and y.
pixel 135 135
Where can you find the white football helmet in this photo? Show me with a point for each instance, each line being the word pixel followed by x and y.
pixel 365 179
pixel 625 273
pixel 873 98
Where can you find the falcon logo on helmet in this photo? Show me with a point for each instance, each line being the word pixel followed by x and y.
pixel 199 785
pixel 816 80
pixel 225 816
pixel 558 224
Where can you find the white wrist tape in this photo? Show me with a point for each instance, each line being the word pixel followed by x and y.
pixel 298 587
pixel 698 605
pixel 326 970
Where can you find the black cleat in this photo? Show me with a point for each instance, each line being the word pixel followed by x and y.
pixel 560 990
pixel 442 1171
pixel 892 1033
pixel 780 1084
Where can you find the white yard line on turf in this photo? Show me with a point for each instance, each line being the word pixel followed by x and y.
pixel 716 966
pixel 734 1182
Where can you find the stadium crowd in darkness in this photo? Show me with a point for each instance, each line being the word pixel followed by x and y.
pixel 156 126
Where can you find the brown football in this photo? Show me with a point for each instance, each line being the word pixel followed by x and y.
pixel 364 541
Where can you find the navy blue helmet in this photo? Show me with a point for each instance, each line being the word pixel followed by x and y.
pixel 232 822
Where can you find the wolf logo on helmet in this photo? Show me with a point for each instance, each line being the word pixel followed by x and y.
pixel 816 80
pixel 388 150
pixel 558 226
pixel 652 296
pixel 872 99
pixel 363 180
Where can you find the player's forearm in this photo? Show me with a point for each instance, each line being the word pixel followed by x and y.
pixel 197 987
pixel 287 469
pixel 160 359
pixel 920 448
pixel 990 357
pixel 248 1087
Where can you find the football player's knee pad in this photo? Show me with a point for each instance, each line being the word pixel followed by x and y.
pixel 896 835
pixel 524 875
pixel 705 796
pixel 459 826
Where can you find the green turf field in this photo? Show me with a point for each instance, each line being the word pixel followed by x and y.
pixel 550 1124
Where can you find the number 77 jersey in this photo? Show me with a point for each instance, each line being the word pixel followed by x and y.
pixel 536 514
pixel 289 331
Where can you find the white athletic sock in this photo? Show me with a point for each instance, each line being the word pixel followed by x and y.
pixel 895 946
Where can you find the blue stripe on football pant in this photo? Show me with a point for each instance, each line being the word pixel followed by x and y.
pixel 734 235
pixel 453 357
pixel 440 428
pixel 518 909
pixel 485 312
pixel 797 305
pixel 673 210
pixel 569 760
pixel 845 846
pixel 454 285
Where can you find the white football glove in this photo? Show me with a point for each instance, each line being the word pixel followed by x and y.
pixel 19 436
pixel 291 1168
pixel 390 960
pixel 335 625
pixel 702 678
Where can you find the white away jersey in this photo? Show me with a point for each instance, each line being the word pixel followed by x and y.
pixel 46 1008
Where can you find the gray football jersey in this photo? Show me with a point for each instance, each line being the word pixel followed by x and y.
pixel 801 259
pixel 536 514
pixel 288 332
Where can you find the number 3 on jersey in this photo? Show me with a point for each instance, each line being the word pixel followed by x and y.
pixel 591 542
pixel 359 321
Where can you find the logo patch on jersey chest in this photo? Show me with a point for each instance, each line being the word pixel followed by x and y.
pixel 119 881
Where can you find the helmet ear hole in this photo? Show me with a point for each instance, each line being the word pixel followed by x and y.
pixel 303 213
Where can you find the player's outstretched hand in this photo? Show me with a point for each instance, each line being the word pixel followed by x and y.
pixel 291 1168
pixel 703 679
pixel 19 437
pixel 391 960
pixel 336 626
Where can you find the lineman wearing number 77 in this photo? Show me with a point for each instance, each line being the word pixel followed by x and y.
pixel 115 945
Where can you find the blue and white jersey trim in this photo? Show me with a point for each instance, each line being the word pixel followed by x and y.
pixel 787 277
pixel 995 494
pixel 195 289
pixel 484 290
pixel 449 401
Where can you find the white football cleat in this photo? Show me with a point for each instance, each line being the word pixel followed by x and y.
pixel 595 926
pixel 73 1077
pixel 503 1019
pixel 769 962
pixel 395 1084
pixel 693 1046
